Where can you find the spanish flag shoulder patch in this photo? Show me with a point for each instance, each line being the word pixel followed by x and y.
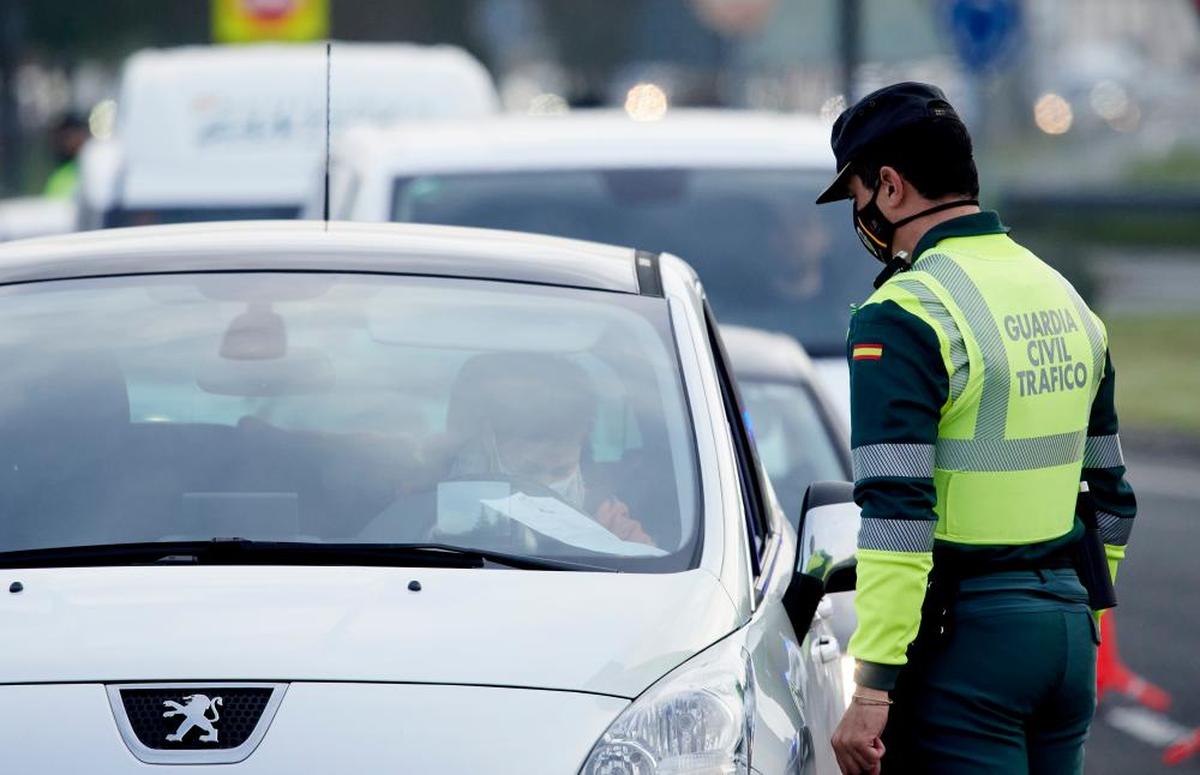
pixel 867 352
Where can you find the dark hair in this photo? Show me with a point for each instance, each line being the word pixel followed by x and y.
pixel 70 121
pixel 935 156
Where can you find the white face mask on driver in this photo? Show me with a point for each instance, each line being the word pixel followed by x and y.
pixel 570 489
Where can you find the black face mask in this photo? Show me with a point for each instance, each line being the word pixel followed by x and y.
pixel 876 232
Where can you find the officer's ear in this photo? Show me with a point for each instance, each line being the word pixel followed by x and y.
pixel 892 190
pixel 889 179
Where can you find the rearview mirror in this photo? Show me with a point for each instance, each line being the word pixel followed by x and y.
pixel 303 371
pixel 825 550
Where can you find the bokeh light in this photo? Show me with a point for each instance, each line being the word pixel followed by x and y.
pixel 1052 114
pixel 103 119
pixel 1128 120
pixel 832 108
pixel 1109 99
pixel 548 104
pixel 646 102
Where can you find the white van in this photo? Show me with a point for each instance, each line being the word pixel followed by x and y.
pixel 218 133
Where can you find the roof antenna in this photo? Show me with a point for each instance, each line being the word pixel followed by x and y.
pixel 328 73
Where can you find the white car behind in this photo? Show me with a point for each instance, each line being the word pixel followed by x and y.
pixel 730 192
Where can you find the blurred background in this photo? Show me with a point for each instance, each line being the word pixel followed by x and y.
pixel 1085 114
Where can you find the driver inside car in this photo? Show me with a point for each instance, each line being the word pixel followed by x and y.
pixel 526 417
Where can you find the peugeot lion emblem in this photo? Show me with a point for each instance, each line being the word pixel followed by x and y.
pixel 194 723
pixel 195 709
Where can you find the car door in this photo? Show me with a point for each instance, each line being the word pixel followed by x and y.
pixel 799 696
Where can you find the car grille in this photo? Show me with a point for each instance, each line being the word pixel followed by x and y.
pixel 238 714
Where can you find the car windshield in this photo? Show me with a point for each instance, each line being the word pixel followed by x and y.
pixel 287 407
pixel 794 440
pixel 768 257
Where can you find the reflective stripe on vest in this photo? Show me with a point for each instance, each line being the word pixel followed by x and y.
pixel 958 349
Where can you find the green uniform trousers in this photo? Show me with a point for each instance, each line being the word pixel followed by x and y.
pixel 1012 688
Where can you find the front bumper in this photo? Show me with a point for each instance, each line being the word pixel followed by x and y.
pixel 328 728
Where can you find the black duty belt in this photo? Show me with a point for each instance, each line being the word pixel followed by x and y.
pixel 950 570
pixel 937 615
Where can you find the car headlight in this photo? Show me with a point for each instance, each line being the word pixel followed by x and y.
pixel 697 720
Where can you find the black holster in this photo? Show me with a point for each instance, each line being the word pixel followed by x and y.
pixel 1090 561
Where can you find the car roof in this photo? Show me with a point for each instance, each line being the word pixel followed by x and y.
pixel 199 60
pixel 316 246
pixel 591 139
pixel 767 355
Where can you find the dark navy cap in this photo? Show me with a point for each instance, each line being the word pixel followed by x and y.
pixel 876 116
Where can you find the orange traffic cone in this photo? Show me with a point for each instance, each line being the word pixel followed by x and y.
pixel 1112 675
pixel 1183 749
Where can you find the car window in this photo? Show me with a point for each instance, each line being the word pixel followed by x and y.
pixel 344 408
pixel 768 257
pixel 150 216
pixel 794 441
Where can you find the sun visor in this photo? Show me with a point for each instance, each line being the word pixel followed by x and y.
pixel 489 322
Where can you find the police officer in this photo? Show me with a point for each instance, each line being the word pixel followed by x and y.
pixel 67 139
pixel 981 396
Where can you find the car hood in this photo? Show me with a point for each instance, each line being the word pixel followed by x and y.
pixel 607 633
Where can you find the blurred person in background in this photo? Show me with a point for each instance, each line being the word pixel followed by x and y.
pixel 66 140
pixel 981 395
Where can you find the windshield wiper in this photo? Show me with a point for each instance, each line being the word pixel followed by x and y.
pixel 241 551
pixel 525 562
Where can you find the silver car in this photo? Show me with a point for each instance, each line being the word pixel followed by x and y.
pixel 800 434
pixel 283 497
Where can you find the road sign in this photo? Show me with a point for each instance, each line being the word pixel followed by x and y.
pixel 245 21
pixel 984 31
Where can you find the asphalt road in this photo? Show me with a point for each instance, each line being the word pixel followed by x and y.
pixel 1158 621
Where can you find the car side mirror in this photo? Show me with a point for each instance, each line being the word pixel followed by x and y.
pixel 825 550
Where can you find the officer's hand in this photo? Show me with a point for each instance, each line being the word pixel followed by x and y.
pixel 856 742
